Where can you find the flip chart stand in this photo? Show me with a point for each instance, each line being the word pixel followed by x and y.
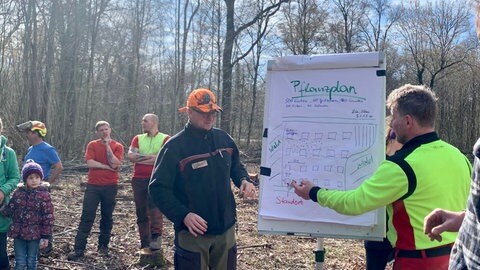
pixel 319 254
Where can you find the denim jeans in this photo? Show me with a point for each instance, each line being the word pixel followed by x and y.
pixel 95 195
pixel 26 252
pixel 149 217
pixel 4 263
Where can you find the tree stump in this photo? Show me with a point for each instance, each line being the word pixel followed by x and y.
pixel 151 257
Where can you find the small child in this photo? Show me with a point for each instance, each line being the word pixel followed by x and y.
pixel 31 210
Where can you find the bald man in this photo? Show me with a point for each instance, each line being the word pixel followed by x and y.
pixel 143 152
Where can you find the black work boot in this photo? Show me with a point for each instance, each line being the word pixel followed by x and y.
pixel 103 252
pixel 75 255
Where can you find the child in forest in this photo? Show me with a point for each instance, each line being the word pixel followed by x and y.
pixel 31 210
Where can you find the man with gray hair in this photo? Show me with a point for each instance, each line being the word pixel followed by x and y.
pixel 143 152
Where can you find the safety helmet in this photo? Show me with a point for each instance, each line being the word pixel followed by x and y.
pixel 33 126
pixel 40 126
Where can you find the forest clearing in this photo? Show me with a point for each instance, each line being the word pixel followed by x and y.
pixel 71 63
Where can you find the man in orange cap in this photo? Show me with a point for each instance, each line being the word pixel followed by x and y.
pixel 191 186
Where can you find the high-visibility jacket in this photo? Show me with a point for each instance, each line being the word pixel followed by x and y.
pixel 147 145
pixel 427 173
pixel 151 145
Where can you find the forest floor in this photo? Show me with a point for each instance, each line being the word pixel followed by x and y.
pixel 255 251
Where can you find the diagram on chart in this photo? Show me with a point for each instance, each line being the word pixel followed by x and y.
pixel 331 155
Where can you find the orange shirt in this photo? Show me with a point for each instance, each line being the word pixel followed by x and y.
pixel 97 151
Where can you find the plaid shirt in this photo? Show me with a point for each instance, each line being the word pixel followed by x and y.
pixel 466 251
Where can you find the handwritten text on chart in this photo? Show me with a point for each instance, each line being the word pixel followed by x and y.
pixel 364 162
pixel 274 145
pixel 291 201
pixel 362 114
pixel 306 89
pixel 317 102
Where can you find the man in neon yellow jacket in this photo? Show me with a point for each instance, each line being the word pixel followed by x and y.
pixel 424 174
pixel 9 177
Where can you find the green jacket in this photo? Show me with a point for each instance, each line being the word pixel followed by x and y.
pixel 9 177
pixel 427 173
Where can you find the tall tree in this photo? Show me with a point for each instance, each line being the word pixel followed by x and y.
pixel 379 21
pixel 30 58
pixel 72 33
pixel 10 23
pixel 302 26
pixel 96 11
pixel 435 35
pixel 187 19
pixel 232 32
pixel 348 27
pixel 253 67
pixel 140 10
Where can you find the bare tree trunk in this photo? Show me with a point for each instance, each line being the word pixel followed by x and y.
pixel 96 11
pixel 352 13
pixel 30 58
pixel 70 75
pixel 227 60
pixel 131 115
pixel 256 63
pixel 219 59
pixel 176 64
pixel 50 56
pixel 187 23
pixel 227 66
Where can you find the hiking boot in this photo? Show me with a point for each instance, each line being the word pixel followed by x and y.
pixel 75 255
pixel 156 242
pixel 103 252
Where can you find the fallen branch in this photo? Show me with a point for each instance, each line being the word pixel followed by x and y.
pixel 52 267
pixel 79 263
pixel 124 198
pixel 65 232
pixel 256 246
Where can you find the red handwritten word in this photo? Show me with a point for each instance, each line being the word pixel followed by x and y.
pixel 282 200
